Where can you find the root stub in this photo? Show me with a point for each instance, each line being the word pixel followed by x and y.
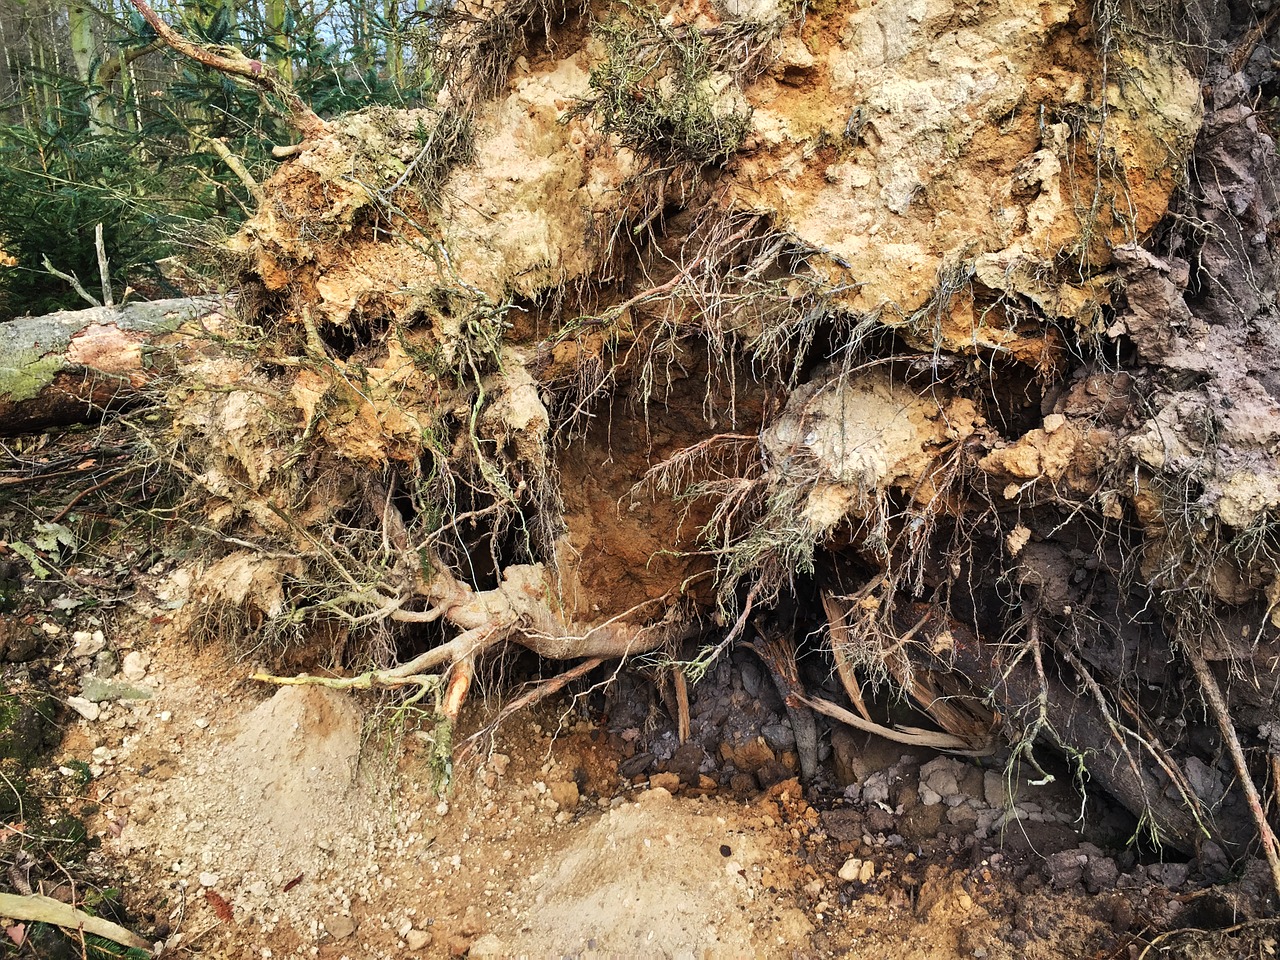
pixel 515 612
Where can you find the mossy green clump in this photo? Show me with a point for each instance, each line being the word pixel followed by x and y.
pixel 27 727
pixel 660 92
pixel 26 373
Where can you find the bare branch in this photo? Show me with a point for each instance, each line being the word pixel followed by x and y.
pixel 103 272
pixel 232 62
pixel 236 166
pixel 72 279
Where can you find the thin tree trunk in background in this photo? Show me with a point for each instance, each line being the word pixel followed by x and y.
pixel 80 32
pixel 276 14
pixel 395 50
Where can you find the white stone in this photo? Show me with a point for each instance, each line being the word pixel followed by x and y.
pixel 86 643
pixel 851 870
pixel 417 939
pixel 135 665
pixel 86 708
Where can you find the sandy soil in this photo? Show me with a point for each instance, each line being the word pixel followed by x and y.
pixel 263 822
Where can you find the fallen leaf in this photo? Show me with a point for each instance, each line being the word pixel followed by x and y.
pixel 219 904
pixel 17 933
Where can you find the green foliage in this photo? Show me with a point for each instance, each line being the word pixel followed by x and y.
pixel 59 183
pixel 658 92
pixel 134 154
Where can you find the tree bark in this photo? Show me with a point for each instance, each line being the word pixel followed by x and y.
pixel 235 64
pixel 69 367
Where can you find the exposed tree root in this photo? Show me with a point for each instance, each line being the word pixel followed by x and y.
pixel 539 691
pixel 47 910
pixel 1084 731
pixel 838 628
pixel 517 611
pixel 912 736
pixel 778 652
pixel 1213 694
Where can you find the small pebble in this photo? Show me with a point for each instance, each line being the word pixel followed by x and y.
pixel 417 939
pixel 86 708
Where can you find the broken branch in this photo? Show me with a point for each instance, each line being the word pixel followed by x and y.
pixel 40 909
pixel 235 64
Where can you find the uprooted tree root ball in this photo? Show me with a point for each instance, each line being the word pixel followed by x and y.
pixel 669 324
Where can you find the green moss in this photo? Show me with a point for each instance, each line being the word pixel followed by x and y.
pixel 24 375
pixel 13 789
pixel 26 727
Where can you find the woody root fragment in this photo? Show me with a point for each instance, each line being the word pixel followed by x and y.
pixel 519 610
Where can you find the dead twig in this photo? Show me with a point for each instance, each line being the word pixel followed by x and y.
pixel 1213 694
pixel 41 909
pixel 72 279
pixel 682 703
pixel 94 489
pixel 838 628
pixel 108 300
pixel 539 691
pixel 911 736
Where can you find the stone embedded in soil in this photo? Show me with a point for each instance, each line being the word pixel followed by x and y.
pixel 135 665
pixel 857 869
pixel 669 782
pixel 773 772
pixel 340 927
pixel 86 708
pixel 1065 869
pixel 105 664
pixel 417 939
pixel 99 690
pixel 940 781
pixel 87 644
pixel 1171 875
pixel 875 789
pixel 564 793
pixel 1101 873
pixel 779 736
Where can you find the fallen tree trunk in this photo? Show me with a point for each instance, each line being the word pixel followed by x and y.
pixel 68 367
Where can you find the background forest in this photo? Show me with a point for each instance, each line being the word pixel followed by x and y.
pixel 99 124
